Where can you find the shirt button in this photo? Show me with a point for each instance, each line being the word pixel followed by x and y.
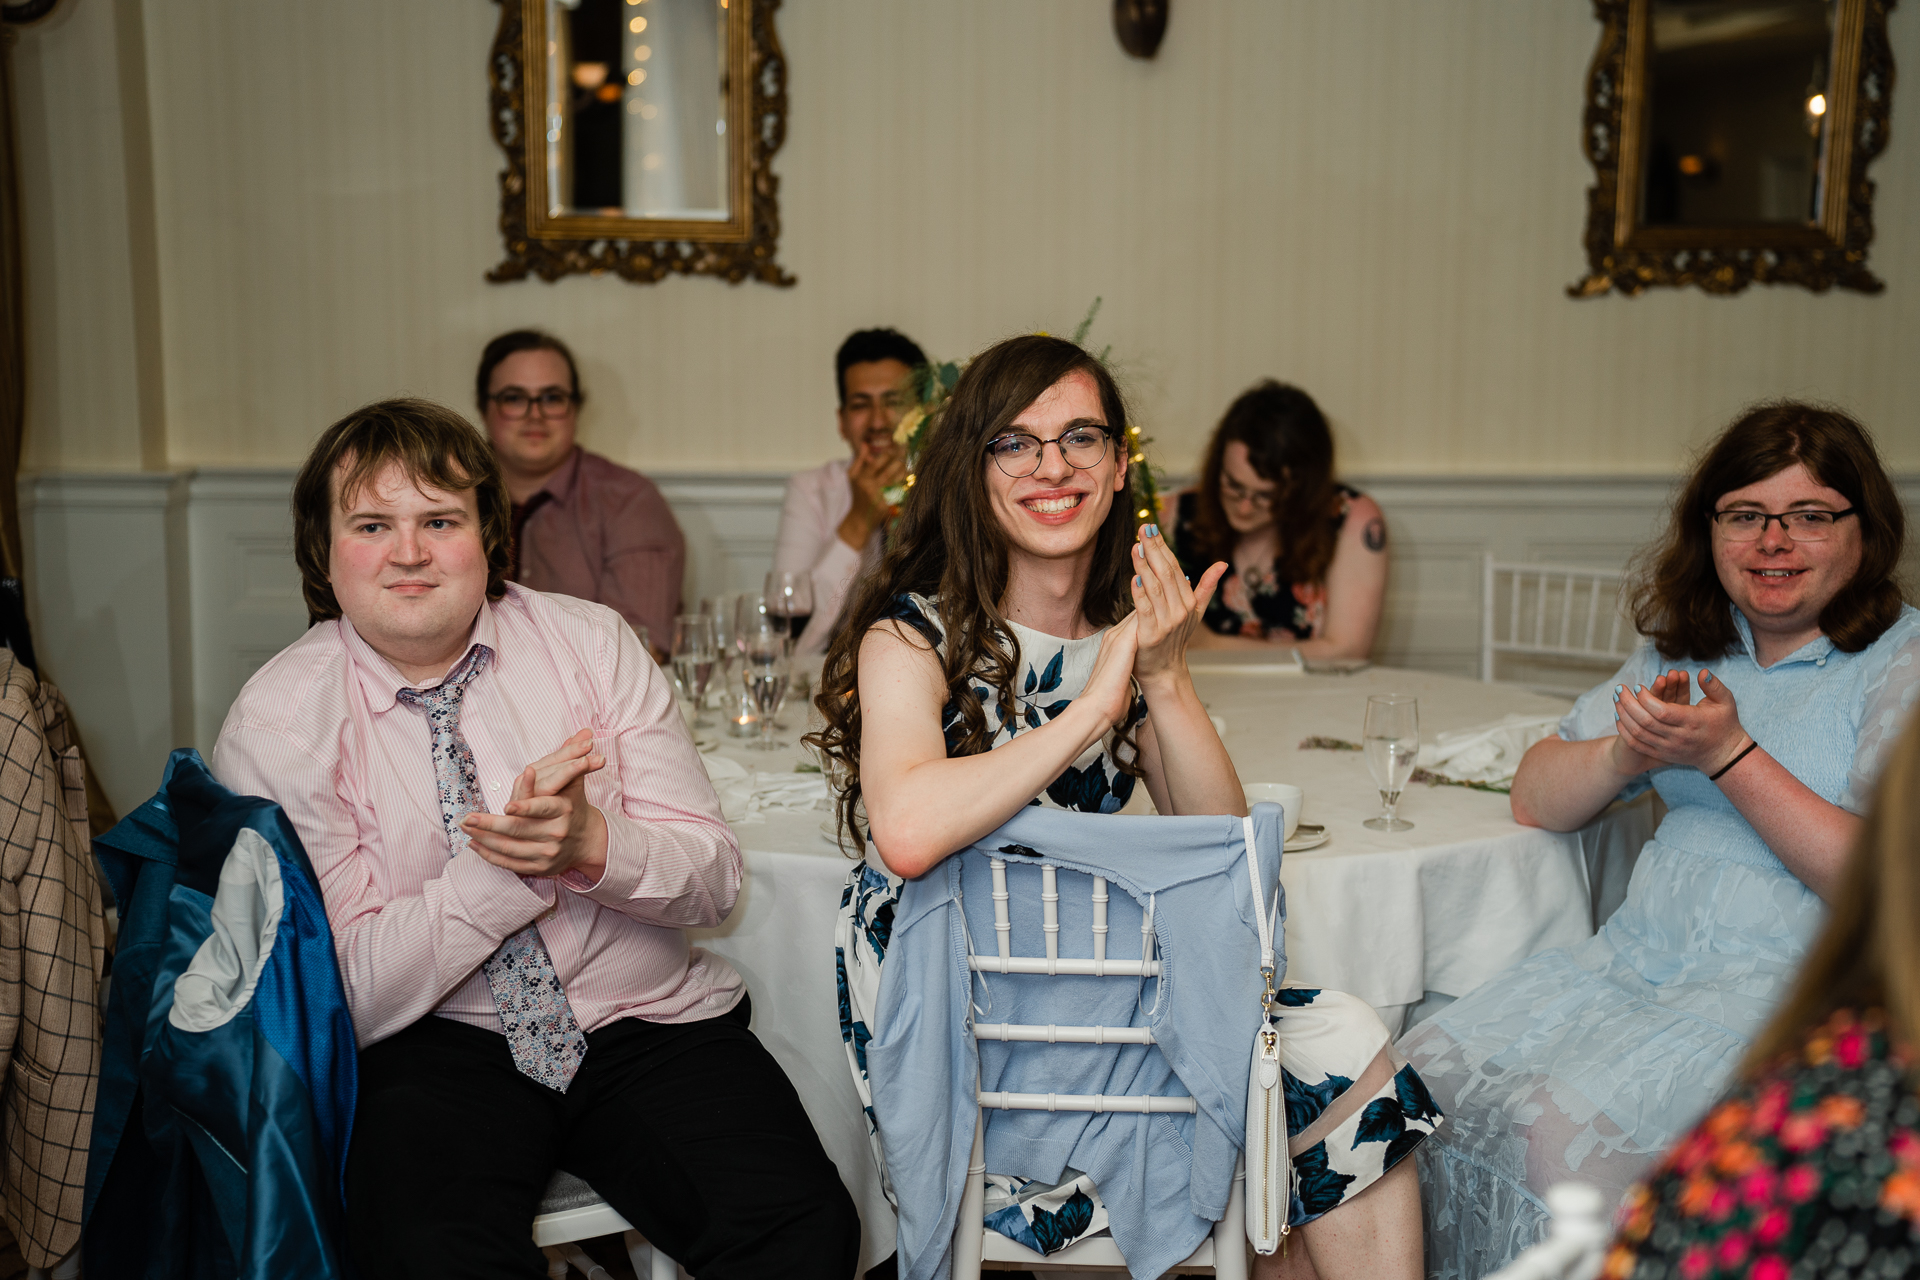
pixel 493 786
pixel 1819 662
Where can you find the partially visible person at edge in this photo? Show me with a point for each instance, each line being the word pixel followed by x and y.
pixel 1308 554
pixel 833 516
pixel 1778 666
pixel 583 526
pixel 513 832
pixel 1020 543
pixel 1810 1164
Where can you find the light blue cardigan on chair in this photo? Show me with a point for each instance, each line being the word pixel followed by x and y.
pixel 1165 1179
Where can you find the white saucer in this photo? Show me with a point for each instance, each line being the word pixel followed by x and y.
pixel 1299 844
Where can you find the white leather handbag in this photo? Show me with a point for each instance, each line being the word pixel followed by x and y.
pixel 1269 1166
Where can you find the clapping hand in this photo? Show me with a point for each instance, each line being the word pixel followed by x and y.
pixel 1658 726
pixel 548 827
pixel 1167 608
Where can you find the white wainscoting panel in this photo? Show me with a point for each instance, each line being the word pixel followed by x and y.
pixel 156 595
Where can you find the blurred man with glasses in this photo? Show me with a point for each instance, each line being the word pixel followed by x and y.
pixel 833 516
pixel 583 525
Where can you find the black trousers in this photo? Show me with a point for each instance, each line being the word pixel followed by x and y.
pixel 691 1131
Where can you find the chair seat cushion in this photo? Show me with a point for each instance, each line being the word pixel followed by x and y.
pixel 567 1192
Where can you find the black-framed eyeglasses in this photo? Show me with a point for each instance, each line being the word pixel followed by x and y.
pixel 1018 453
pixel 515 403
pixel 1235 493
pixel 1801 526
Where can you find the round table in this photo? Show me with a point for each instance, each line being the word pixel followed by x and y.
pixel 1395 918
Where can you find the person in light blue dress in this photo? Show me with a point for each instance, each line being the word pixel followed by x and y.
pixel 1779 666
pixel 1024 644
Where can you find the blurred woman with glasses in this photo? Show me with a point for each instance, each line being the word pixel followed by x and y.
pixel 1308 555
pixel 1024 642
pixel 583 525
pixel 1779 665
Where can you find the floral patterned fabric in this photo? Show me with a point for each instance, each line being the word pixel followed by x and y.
pixel 1262 603
pixel 542 1033
pixel 1330 1041
pixel 1811 1170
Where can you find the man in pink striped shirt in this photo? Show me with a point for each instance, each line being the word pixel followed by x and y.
pixel 512 830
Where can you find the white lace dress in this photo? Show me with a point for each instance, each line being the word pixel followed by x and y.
pixel 1586 1062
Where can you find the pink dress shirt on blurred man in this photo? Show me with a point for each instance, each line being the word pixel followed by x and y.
pixel 599 531
pixel 809 542
pixel 319 731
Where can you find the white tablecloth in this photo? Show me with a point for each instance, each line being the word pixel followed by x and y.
pixel 1388 917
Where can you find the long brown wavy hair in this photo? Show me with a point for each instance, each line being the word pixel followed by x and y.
pixel 1679 602
pixel 948 544
pixel 1288 442
pixel 1869 953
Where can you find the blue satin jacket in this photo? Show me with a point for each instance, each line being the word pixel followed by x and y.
pixel 217 1153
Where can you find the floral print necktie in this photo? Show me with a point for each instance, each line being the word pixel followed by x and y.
pixel 546 1041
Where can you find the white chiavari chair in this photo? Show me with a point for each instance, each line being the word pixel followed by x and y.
pixel 1224 1253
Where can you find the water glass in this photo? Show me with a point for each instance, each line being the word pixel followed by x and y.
pixel 695 655
pixel 1391 737
pixel 765 671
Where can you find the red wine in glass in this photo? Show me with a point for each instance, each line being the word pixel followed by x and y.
pixel 797 622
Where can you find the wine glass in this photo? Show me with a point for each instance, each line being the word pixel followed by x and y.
pixel 1392 740
pixel 695 654
pixel 789 596
pixel 764 670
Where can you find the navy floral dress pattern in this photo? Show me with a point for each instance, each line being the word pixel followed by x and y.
pixel 1354 1108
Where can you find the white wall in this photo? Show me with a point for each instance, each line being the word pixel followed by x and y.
pixel 1380 199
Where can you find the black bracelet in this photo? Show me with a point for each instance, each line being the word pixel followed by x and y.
pixel 1729 764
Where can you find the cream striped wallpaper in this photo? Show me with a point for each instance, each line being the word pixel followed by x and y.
pixel 243 219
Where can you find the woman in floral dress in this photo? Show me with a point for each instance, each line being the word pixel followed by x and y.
pixel 1307 556
pixel 1024 643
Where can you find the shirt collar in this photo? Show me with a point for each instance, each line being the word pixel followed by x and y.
pixel 1817 649
pixel 380 684
pixel 561 484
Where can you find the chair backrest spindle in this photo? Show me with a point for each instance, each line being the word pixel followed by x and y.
pixel 1002 927
pixel 1099 926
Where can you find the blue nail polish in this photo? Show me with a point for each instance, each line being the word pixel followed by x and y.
pixel 1616 697
pixel 1136 579
pixel 1706 677
pixel 1618 690
pixel 1151 530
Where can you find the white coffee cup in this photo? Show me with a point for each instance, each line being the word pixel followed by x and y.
pixel 1288 797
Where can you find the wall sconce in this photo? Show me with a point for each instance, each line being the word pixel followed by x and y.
pixel 1139 25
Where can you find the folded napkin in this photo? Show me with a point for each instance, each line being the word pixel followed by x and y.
pixel 748 794
pixel 1486 753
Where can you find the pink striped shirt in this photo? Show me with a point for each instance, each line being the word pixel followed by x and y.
pixel 319 731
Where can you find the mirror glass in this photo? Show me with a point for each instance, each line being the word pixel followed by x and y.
pixel 1738 98
pixel 637 108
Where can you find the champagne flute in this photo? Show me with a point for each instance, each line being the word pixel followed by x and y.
pixel 765 670
pixel 1392 740
pixel 695 654
pixel 789 596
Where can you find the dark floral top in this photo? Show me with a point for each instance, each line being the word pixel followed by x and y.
pixel 1263 603
pixel 1811 1171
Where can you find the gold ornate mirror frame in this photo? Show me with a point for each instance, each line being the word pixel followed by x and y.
pixel 644 250
pixel 1827 251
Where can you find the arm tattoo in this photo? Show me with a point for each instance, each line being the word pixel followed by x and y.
pixel 1375 535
